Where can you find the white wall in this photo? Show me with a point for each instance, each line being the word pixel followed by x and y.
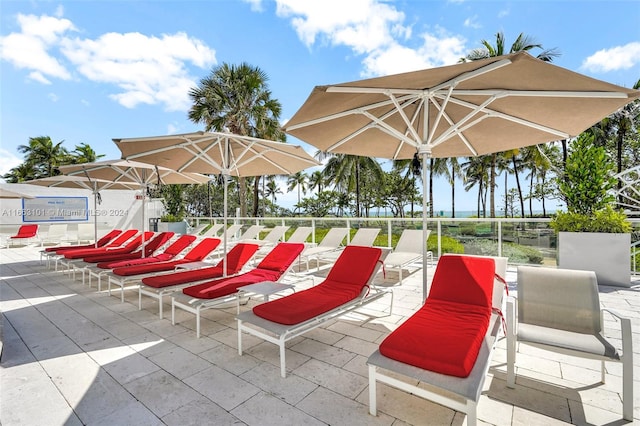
pixel 119 208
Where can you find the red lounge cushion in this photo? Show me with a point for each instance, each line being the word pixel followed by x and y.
pixel 236 259
pixel 178 245
pixel 101 242
pixel 116 242
pixel 146 268
pixel 464 279
pixel 183 277
pixel 281 257
pixel 202 249
pixel 351 272
pixel 226 286
pixel 443 337
pixel 26 231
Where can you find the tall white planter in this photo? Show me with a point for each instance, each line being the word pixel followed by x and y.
pixel 606 254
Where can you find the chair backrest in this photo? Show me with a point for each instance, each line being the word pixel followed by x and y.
pixel 499 280
pixel 275 234
pixel 251 233
pixel 364 237
pixel 156 242
pixel 238 256
pixel 334 237
pixel 57 230
pixel 300 235
pixel 281 257
pixel 180 244
pixel 355 265
pixel 464 279
pixel 27 231
pixel 213 231
pixel 202 249
pixel 564 299
pixel 122 238
pixel 109 236
pixel 411 241
pixel 231 231
pixel 85 232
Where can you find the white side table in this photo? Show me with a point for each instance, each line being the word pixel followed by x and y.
pixel 265 288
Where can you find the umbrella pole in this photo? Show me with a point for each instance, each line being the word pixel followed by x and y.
pixel 426 155
pixel 224 245
pixel 95 217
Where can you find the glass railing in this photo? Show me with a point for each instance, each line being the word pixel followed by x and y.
pixel 527 241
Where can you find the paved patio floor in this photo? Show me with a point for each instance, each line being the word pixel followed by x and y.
pixel 72 355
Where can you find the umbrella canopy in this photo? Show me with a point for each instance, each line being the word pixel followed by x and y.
pixel 216 153
pixel 83 182
pixel 467 109
pixel 5 193
pixel 144 174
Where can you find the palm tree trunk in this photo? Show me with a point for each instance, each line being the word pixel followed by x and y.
pixel 492 186
pixel 242 194
pixel 256 192
pixel 531 198
pixel 431 161
pixel 517 174
pixel 357 189
pixel 453 193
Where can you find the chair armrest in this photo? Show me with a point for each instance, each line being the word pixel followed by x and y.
pixel 511 309
pixel 625 328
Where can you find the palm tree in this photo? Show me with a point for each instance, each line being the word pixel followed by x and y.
pixel 237 99
pixel 476 170
pixel 44 155
pixel 272 189
pixel 84 154
pixel 346 171
pixel 413 169
pixel 297 180
pixel 522 43
pixel 454 172
pixel 21 173
pixel 316 181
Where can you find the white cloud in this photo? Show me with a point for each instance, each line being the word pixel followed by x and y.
pixel 472 22
pixel 53 97
pixel 7 162
pixel 256 5
pixel 373 29
pixel 362 25
pixel 146 69
pixel 149 70
pixel 29 48
pixel 613 59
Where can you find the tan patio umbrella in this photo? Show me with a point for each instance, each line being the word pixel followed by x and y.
pixel 467 109
pixel 84 182
pixel 5 193
pixel 144 174
pixel 218 153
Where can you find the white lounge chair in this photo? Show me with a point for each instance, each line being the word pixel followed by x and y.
pixel 56 234
pixel 559 310
pixel 409 250
pixel 213 231
pixel 454 391
pixel 331 241
pixel 346 288
pixel 364 237
pixel 209 294
pixel 85 233
pixel 300 234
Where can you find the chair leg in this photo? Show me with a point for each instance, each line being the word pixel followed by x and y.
pixel 511 344
pixel 373 409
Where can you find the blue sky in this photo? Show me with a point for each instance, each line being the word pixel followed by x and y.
pixel 90 71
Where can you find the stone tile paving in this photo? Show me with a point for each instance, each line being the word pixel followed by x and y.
pixel 72 355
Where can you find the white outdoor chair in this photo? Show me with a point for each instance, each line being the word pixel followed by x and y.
pixel 331 241
pixel 213 231
pixel 364 237
pixel 409 250
pixel 559 310
pixel 300 235
pixel 85 233
pixel 56 234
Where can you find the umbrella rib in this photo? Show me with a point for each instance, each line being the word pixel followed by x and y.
pixel 528 123
pixel 540 93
